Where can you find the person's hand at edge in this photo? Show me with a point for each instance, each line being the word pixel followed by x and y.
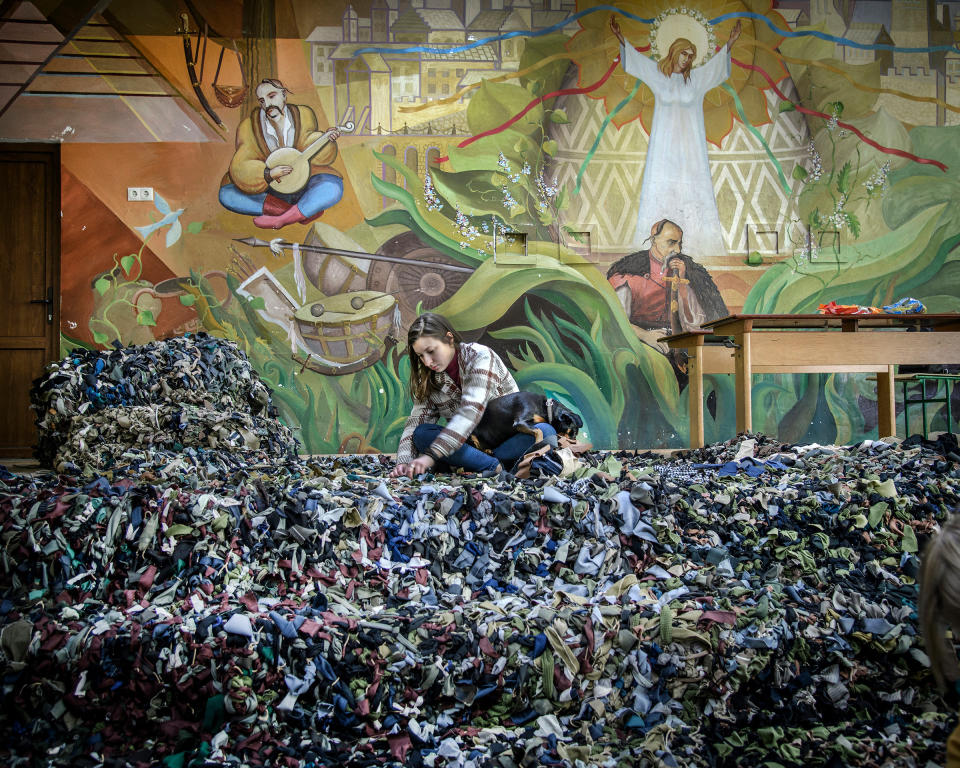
pixel 421 464
pixel 616 30
pixel 734 35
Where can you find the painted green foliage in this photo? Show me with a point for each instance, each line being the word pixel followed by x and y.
pixel 585 353
pixel 917 256
pixel 574 342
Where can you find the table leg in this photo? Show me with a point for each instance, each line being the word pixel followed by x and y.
pixel 947 388
pixel 886 403
pixel 923 405
pixel 695 394
pixel 906 414
pixel 744 374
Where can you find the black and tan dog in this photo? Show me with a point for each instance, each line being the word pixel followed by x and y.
pixel 521 412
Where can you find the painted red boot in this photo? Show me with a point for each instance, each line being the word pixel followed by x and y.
pixel 290 216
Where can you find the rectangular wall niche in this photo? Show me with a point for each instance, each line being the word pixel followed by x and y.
pixel 510 248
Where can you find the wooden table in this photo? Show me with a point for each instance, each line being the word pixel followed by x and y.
pixel 747 344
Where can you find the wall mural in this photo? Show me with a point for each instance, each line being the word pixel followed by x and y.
pixel 567 199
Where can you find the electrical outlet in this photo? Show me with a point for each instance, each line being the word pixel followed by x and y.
pixel 139 193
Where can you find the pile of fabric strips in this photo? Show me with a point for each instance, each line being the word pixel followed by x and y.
pixel 97 409
pixel 751 603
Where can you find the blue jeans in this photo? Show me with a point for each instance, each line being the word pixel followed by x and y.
pixel 473 459
pixel 322 191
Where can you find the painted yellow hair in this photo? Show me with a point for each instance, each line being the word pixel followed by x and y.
pixel 668 64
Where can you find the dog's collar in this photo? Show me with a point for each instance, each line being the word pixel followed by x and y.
pixel 550 402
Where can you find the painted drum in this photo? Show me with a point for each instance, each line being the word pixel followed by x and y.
pixel 349 327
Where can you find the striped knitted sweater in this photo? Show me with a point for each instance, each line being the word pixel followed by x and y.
pixel 483 377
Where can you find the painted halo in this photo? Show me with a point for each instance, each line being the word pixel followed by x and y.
pixel 682 22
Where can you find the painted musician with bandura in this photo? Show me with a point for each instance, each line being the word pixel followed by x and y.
pixel 281 172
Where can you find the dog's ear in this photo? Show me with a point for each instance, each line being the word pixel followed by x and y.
pixel 577 420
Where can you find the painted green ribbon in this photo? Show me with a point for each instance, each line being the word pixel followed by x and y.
pixel 603 127
pixel 755 132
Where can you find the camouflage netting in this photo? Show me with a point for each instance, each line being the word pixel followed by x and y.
pixel 96 410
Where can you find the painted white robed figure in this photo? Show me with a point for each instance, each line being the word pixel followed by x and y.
pixel 676 176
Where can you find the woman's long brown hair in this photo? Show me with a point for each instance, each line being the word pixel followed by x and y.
pixel 422 381
pixel 668 64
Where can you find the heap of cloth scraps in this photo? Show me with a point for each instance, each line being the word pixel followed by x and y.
pixel 96 410
pixel 905 306
pixel 751 603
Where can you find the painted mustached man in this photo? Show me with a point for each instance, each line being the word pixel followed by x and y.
pixel 665 291
pixel 297 188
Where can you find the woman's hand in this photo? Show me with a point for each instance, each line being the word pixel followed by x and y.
pixel 616 30
pixel 420 465
pixel 734 35
pixel 416 467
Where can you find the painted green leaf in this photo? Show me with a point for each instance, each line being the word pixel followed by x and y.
pixel 102 285
pixel 194 227
pixel 482 154
pixel 853 223
pixel 100 338
pixel 189 300
pixel 789 288
pixel 146 318
pixel 478 193
pixel 786 106
pixel 432 226
pixel 495 103
pixel 799 172
pixel 844 179
pixel 257 302
pixel 754 259
pixel 828 88
pixel 127 262
pixel 550 147
pixel 559 116
pixel 911 196
pixel 562 201
pixel 547 78
pixel 576 234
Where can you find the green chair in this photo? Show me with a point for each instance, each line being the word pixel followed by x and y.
pixel 908 379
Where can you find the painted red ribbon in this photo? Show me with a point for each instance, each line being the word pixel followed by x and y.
pixel 532 104
pixel 846 126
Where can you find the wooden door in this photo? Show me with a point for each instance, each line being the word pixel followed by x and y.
pixel 30 284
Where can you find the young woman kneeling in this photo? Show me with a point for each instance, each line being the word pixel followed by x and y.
pixel 453 380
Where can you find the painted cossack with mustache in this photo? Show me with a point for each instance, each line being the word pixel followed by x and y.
pixel 275 124
pixel 661 288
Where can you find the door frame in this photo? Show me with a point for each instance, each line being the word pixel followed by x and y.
pixel 49 152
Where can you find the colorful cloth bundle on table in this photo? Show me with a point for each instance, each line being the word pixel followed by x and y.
pixel 905 306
